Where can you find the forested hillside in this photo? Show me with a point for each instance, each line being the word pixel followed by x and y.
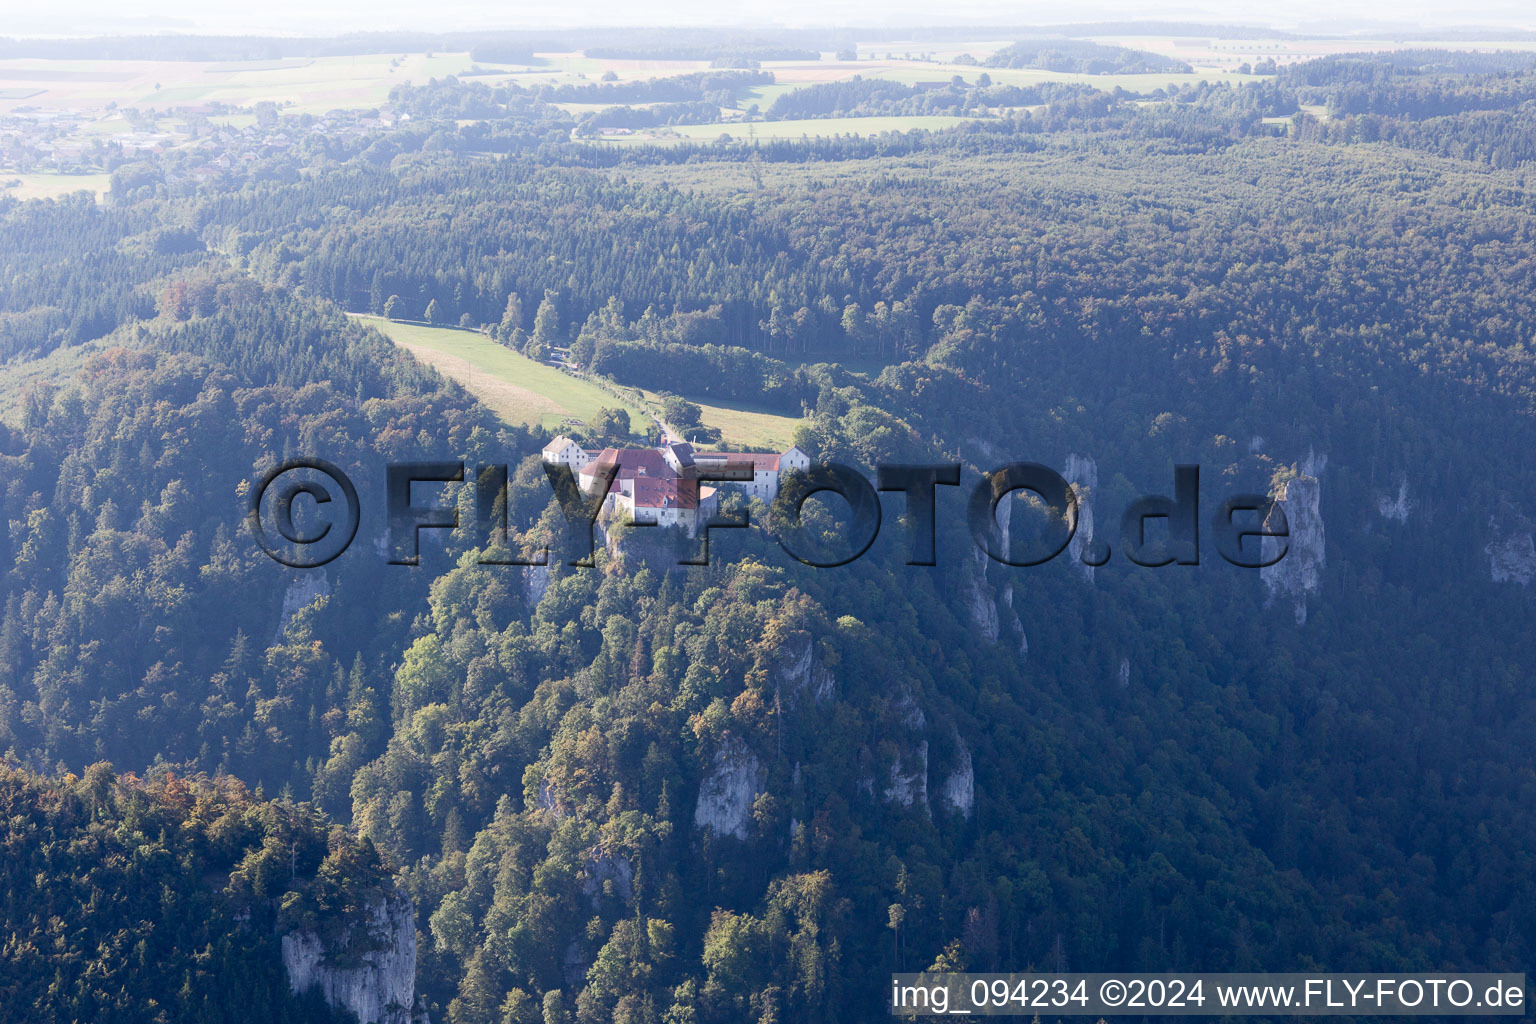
pixel 133 900
pixel 748 791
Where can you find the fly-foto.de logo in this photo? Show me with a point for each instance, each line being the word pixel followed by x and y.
pixel 305 512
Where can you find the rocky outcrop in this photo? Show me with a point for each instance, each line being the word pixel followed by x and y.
pixel 797 673
pixel 1395 508
pixel 378 985
pixel 603 868
pixel 736 778
pixel 307 588
pixel 549 800
pixel 1509 548
pixel 981 607
pixel 908 783
pixel 1299 573
pixel 911 714
pixel 535 583
pixel 1083 477
pixel 906 778
pixel 958 793
pixel 1013 620
pixel 1512 559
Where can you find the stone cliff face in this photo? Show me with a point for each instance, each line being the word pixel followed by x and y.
pixel 797 674
pixel 381 989
pixel 959 790
pixel 982 608
pixel 908 783
pixel 735 779
pixel 1396 507
pixel 549 800
pixel 1083 476
pixel 1508 546
pixel 1300 573
pixel 535 582
pixel 1511 556
pixel 604 868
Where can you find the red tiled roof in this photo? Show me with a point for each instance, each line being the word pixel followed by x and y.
pixel 643 462
pixel 634 464
pixel 656 493
pixel 761 461
pixel 646 473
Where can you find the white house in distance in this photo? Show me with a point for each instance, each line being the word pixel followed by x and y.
pixel 646 480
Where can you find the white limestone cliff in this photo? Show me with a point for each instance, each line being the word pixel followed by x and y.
pixel 1083 477
pixel 1398 507
pixel 958 793
pixel 981 606
pixel 797 673
pixel 381 987
pixel 735 779
pixel 1300 572
pixel 907 777
pixel 1013 620
pixel 535 583
pixel 908 782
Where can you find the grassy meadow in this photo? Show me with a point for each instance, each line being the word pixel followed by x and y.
pixel 520 390
pixel 516 388
pixel 52 186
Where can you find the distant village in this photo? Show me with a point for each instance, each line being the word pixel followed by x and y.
pixel 214 141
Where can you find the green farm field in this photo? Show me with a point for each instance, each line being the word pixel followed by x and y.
pixel 516 388
pixel 52 186
pixel 520 390
pixel 740 423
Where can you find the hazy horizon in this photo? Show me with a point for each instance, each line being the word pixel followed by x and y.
pixel 286 17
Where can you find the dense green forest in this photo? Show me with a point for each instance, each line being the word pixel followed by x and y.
pixel 749 791
pixel 137 900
